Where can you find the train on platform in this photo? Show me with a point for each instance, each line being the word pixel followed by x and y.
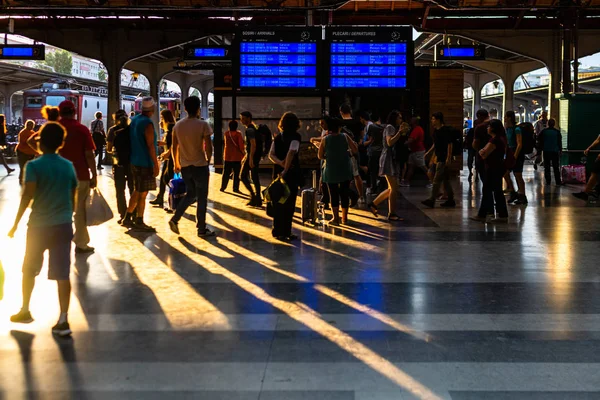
pixel 87 99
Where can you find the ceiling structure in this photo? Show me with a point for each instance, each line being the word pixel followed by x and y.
pixel 435 15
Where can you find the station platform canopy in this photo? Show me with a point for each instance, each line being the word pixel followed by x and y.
pixel 433 15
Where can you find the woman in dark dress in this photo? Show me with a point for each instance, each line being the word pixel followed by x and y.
pixel 167 122
pixel 284 154
pixel 493 154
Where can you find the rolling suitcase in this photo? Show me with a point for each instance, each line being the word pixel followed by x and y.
pixel 309 202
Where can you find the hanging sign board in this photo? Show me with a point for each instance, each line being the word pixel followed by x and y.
pixel 370 58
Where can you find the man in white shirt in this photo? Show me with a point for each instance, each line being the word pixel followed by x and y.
pixel 192 150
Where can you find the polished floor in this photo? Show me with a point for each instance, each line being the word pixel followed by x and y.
pixel 435 307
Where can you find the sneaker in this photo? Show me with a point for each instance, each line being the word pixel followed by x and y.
pixel 448 204
pixel 404 184
pixel 142 227
pixel 157 202
pixel 522 200
pixel 206 233
pixel 499 220
pixel 62 330
pixel 429 203
pixel 173 226
pixel 22 318
pixel 514 196
pixel 84 250
pixel 429 185
pixel 582 195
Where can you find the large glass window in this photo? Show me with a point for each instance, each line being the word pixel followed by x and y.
pixel 34 102
pixel 54 100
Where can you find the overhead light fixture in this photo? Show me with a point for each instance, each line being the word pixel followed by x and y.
pixel 181 64
pixel 135 76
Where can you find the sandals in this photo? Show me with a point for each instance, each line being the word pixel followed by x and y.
pixel 373 208
pixel 394 218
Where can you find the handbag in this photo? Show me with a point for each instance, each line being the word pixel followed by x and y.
pixel 97 209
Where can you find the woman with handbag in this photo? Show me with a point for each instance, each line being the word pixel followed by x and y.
pixel 233 155
pixel 284 154
pixel 493 155
pixel 335 149
pixel 388 167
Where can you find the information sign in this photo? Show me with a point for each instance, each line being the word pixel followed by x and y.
pixel 278 58
pixel 370 58
pixel 205 53
pixel 22 52
pixel 452 52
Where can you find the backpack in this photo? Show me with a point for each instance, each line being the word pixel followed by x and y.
pixel 264 137
pixel 122 146
pixel 469 138
pixel 457 141
pixel 528 136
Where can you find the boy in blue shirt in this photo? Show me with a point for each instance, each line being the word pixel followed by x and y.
pixel 50 181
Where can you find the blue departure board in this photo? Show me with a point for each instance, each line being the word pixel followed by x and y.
pixel 368 58
pixel 278 59
pixel 22 52
pixel 457 52
pixel 209 52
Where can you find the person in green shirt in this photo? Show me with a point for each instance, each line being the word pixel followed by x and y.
pixel 51 182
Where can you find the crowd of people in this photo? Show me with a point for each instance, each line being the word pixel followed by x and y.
pixel 59 169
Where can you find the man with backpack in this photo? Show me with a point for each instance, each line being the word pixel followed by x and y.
pixel 119 146
pixel 258 144
pixel 520 142
pixel 99 137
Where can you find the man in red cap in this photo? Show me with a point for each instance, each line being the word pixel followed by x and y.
pixel 79 149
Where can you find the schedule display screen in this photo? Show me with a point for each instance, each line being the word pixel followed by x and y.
pixel 284 58
pixel 205 53
pixel 452 52
pixel 366 58
pixel 22 52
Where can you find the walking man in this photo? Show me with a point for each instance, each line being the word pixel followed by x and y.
pixel 79 149
pixel 250 163
pixel 192 151
pixel 144 164
pixel 51 183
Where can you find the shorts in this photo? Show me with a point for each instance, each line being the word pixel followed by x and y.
pixel 57 240
pixel 596 167
pixel 355 171
pixel 417 158
pixel 143 179
pixel 519 162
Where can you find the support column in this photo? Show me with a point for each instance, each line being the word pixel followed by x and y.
pixel 567 54
pixel 9 114
pixel 114 89
pixel 185 90
pixel 204 105
pixel 555 68
pixel 154 80
pixel 476 95
pixel 509 94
